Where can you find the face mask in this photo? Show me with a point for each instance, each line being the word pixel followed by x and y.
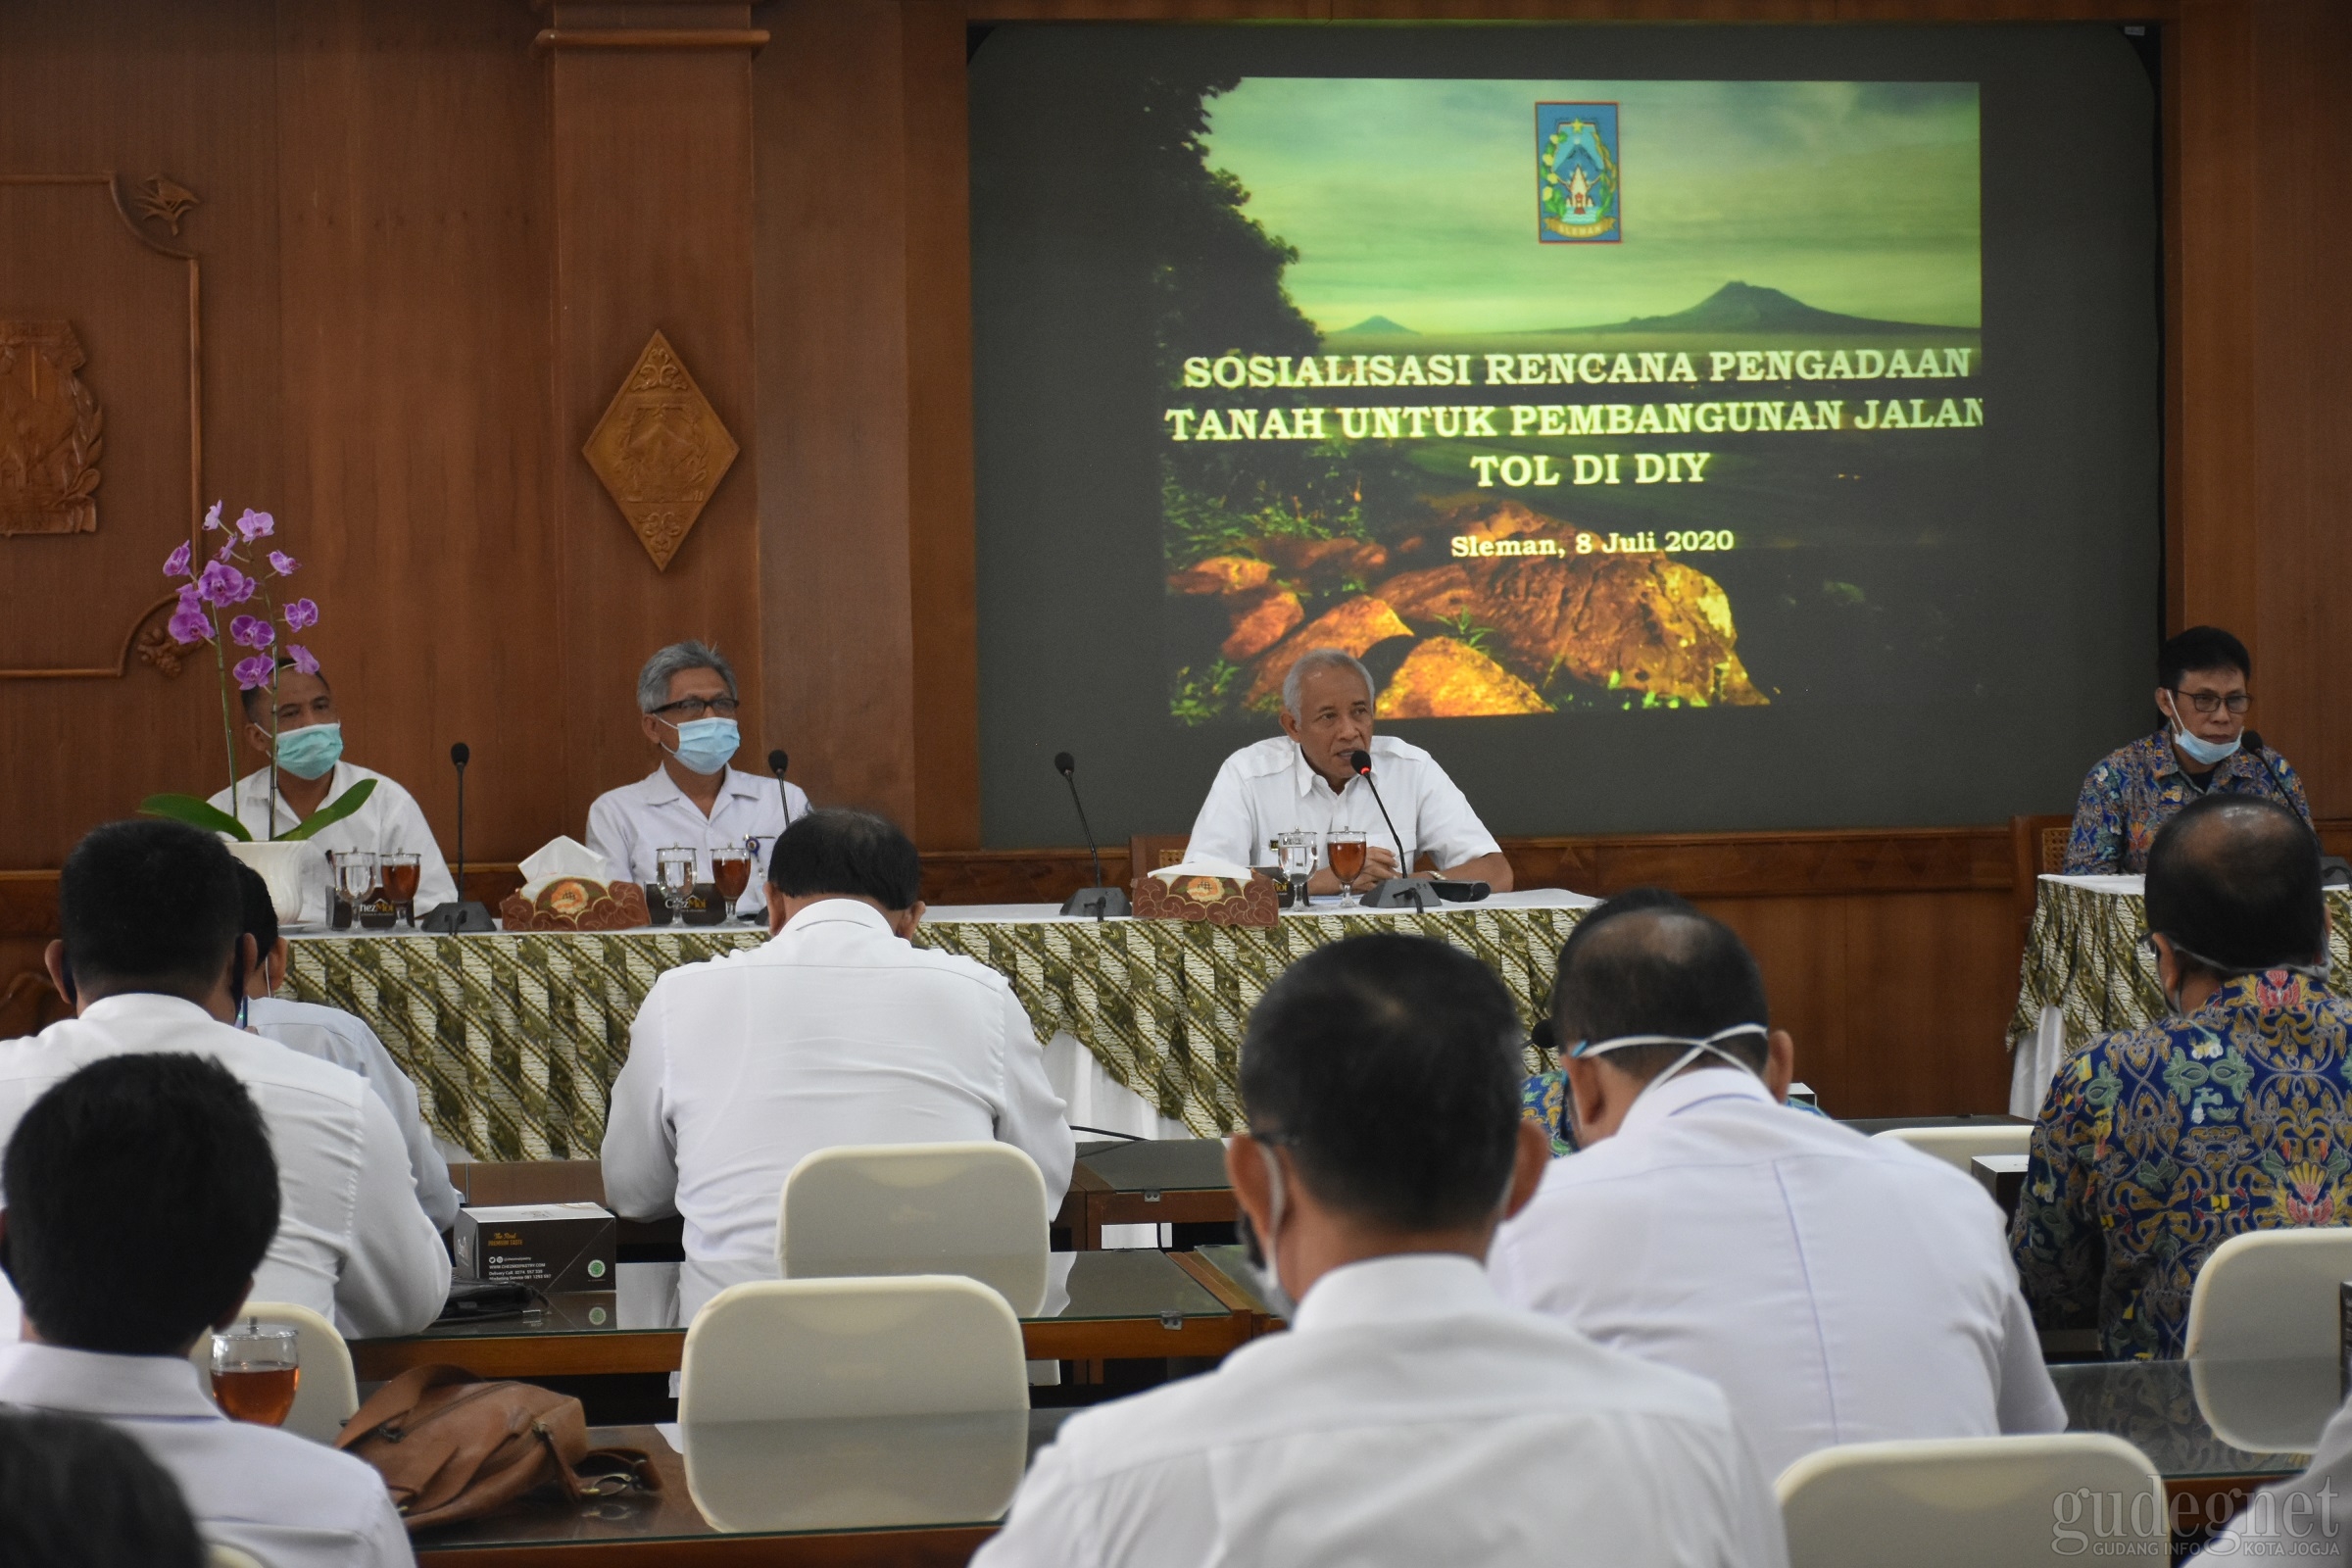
pixel 705 743
pixel 1709 1047
pixel 1260 1253
pixel 2200 750
pixel 311 752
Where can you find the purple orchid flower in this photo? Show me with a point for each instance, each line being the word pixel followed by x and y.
pixel 302 660
pixel 301 615
pixel 189 623
pixel 175 565
pixel 254 672
pixel 283 565
pixel 211 520
pixel 256 525
pixel 251 631
pixel 221 584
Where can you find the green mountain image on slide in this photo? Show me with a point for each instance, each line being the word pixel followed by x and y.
pixel 1738 307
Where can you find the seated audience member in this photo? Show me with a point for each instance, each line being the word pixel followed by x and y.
pixel 2156 1145
pixel 141 1199
pixel 333 1035
pixel 2199 749
pixel 154 959
pixel 1408 1416
pixel 2300 1520
pixel 1839 1290
pixel 77 1493
pixel 838 1030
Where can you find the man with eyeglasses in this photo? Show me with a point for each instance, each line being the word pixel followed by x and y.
pixel 2202 678
pixel 687 706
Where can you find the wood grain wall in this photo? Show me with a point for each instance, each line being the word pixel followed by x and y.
pixel 432 236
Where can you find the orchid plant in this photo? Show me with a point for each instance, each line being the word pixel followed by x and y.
pixel 217 605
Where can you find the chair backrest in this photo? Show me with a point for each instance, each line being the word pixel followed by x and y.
pixel 845 1349
pixel 1957 1146
pixel 220 1556
pixel 1152 852
pixel 329 1391
pixel 1961 1502
pixel 977 1209
pixel 2271 1293
pixel 2036 849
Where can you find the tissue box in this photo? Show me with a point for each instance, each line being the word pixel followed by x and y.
pixel 1217 900
pixel 554 1247
pixel 576 904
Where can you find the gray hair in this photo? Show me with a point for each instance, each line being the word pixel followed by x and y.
pixel 1315 658
pixel 652 681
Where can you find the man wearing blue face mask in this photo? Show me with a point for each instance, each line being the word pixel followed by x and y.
pixel 687 709
pixel 2201 749
pixel 308 771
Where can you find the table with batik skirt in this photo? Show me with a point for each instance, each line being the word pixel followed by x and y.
pixel 513 1039
pixel 2089 972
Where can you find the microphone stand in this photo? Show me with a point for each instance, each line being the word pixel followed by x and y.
pixel 1399 890
pixel 461 913
pixel 1098 900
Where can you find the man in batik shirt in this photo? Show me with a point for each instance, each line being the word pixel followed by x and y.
pixel 2202 750
pixel 2233 1114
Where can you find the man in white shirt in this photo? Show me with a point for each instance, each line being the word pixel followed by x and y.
pixel 307 773
pixel 1408 1417
pixel 1303 781
pixel 153 960
pixel 141 1195
pixel 837 1031
pixel 687 707
pixel 333 1035
pixel 1839 1290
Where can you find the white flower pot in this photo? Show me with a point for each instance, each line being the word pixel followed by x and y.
pixel 285 866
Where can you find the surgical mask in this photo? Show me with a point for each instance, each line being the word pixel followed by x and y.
pixel 1263 1259
pixel 1712 1045
pixel 2200 750
pixel 311 752
pixel 705 743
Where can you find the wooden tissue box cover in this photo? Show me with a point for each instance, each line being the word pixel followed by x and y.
pixel 1217 900
pixel 576 904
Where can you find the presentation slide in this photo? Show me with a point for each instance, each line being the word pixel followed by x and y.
pixel 1691 428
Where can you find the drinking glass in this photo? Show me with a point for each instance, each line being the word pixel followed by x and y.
pixel 1298 852
pixel 675 872
pixel 731 870
pixel 256 1373
pixel 401 871
pixel 354 873
pixel 1346 855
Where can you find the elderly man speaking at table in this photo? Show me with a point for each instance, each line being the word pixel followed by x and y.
pixel 1301 780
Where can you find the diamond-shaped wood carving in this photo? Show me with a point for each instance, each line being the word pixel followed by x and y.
pixel 660 450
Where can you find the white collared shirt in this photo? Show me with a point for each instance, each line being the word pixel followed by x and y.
pixel 1268 788
pixel 2299 1520
pixel 631 825
pixel 291 1502
pixel 1409 1418
pixel 352 1241
pixel 835 1031
pixel 1836 1288
pixel 333 1035
pixel 388 822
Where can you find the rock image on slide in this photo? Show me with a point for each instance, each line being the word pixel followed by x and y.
pixel 1478 637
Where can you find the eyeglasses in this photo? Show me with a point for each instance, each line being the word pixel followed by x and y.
pixel 701 707
pixel 2209 702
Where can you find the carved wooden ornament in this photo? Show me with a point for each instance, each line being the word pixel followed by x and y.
pixel 51 431
pixel 660 450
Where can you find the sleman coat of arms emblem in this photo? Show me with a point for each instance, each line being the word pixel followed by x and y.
pixel 1578 199
pixel 51 431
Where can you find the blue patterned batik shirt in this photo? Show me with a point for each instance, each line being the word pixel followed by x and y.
pixel 2136 789
pixel 2159 1143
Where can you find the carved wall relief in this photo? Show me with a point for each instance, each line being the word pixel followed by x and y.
pixel 51 431
pixel 660 450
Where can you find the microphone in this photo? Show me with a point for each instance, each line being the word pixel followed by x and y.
pixel 1399 890
pixel 1098 900
pixel 776 760
pixel 1361 761
pixel 2251 740
pixel 461 913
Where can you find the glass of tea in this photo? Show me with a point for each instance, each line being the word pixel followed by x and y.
pixel 731 870
pixel 399 872
pixel 256 1373
pixel 1347 845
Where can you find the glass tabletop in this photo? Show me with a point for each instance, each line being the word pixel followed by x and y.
pixel 786 1477
pixel 2206 1417
pixel 1159 1164
pixel 662 1298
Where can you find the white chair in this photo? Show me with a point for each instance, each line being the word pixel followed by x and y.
pixel 813 1404
pixel 1963 1502
pixel 328 1393
pixel 2269 1294
pixel 1957 1146
pixel 220 1556
pixel 977 1209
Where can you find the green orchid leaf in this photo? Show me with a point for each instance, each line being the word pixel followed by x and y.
pixel 333 812
pixel 196 813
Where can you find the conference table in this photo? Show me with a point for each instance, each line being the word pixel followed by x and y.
pixel 2089 971
pixel 930 1489
pixel 514 1037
